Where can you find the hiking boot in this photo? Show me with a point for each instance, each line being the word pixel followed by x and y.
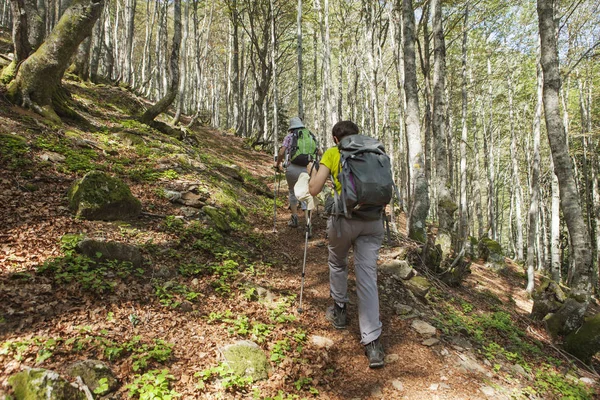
pixel 293 222
pixel 375 354
pixel 337 316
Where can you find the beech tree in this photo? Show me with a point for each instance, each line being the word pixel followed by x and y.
pixel 417 229
pixel 38 81
pixel 164 103
pixel 581 273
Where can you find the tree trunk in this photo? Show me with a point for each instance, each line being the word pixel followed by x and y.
pixel 299 51
pixel 446 207
pixel 163 104
pixel 581 273
pixel 82 59
pixel 463 213
pixel 183 80
pixel 20 31
pixel 98 40
pixel 130 6
pixel 417 229
pixel 488 144
pixel 274 66
pixel 39 78
pixel 535 188
pixel 516 179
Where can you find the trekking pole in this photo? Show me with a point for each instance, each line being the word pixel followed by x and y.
pixel 275 193
pixel 304 262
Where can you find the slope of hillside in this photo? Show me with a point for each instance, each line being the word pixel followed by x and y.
pixel 210 281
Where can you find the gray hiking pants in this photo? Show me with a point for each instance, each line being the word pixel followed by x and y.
pixel 366 237
pixel 292 172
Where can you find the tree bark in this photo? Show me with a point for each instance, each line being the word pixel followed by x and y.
pixel 39 78
pixel 446 207
pixel 183 81
pixel 516 179
pixel 81 66
pixel 535 188
pixel 130 6
pixel 299 52
pixel 463 212
pixel 274 66
pixel 580 275
pixel 163 104
pixel 417 229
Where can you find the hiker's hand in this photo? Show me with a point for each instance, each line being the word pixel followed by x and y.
pixel 276 167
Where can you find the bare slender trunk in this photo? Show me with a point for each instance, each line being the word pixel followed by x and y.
pixel 581 273
pixel 164 103
pixel 417 229
pixel 518 196
pixel 535 189
pixel 299 52
pixel 446 207
pixel 463 213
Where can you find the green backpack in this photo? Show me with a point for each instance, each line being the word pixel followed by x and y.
pixel 303 148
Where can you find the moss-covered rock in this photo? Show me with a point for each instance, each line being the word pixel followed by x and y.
pixel 95 374
pixel 39 383
pixel 491 252
pixel 98 196
pixel 246 359
pixel 110 251
pixel 399 269
pixel 566 319
pixel 218 218
pixel 585 342
pixel 548 298
pixel 418 285
pixel 490 248
pixel 444 241
pixel 8 73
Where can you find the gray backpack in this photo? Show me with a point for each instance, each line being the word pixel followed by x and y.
pixel 365 176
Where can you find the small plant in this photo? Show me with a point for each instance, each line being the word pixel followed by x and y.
pixel 102 386
pixel 218 317
pixel 279 349
pixel 153 384
pixel 46 350
pixel 227 378
pixel 279 314
pixel 173 224
pixel 170 174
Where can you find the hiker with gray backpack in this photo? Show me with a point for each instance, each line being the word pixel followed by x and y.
pixel 363 185
pixel 298 149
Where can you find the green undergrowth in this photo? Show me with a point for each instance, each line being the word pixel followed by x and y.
pixel 78 271
pixel 503 343
pixel 142 353
pixel 155 384
pixel 290 348
pixel 14 152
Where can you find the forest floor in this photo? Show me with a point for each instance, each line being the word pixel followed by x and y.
pixel 202 288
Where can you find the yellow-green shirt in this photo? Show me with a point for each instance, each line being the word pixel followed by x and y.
pixel 331 159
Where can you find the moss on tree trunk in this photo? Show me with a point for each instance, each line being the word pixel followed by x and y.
pixel 38 81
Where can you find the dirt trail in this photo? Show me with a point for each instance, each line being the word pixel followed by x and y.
pixel 413 371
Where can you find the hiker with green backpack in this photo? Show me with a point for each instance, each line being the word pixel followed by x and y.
pixel 298 149
pixel 363 185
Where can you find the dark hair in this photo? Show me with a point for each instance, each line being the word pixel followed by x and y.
pixel 343 129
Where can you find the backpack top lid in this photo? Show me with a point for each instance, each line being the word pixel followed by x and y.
pixel 360 143
pixel 295 123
